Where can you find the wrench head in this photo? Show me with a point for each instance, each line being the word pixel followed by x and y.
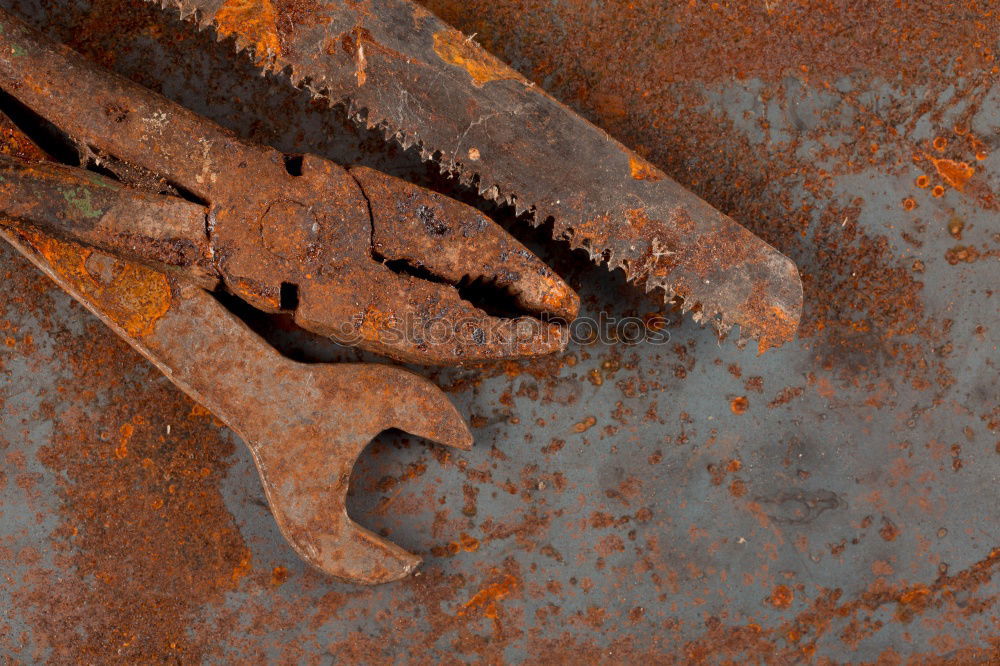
pixel 305 452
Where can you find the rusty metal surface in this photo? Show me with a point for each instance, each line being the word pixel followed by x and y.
pixel 398 67
pixel 834 500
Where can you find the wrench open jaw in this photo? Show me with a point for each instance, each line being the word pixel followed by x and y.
pixel 283 233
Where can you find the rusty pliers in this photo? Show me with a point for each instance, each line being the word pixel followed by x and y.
pixel 357 255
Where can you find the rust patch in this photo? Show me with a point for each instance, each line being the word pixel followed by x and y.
pixel 456 49
pixel 967 254
pixel 781 597
pixel 133 296
pixel 142 535
pixel 956 174
pixel 786 395
pixel 487 598
pixel 253 21
pixel 641 169
pixel 465 543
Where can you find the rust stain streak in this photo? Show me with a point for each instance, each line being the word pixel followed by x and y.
pixel 488 597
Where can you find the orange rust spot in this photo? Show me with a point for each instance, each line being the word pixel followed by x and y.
pixel 487 597
pixel 375 322
pixel 776 327
pixel 980 155
pixel 243 567
pixel 909 203
pixel 456 49
pixel 739 405
pixel 125 435
pixel 956 174
pixel 914 595
pixel 888 531
pixel 781 596
pixel 558 297
pixel 940 143
pixel 279 575
pixel 960 253
pixel 465 543
pixel 585 424
pixel 923 181
pixel 639 219
pixel 254 21
pixel 955 228
pixel 642 169
pixel 938 191
pixel 132 296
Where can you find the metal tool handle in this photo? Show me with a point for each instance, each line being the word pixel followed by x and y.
pixel 48 77
pixel 166 233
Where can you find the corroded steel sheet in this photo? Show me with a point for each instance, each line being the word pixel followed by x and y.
pixel 835 499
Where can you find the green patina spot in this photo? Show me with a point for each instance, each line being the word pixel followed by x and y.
pixel 18 52
pixel 81 201
pixel 103 182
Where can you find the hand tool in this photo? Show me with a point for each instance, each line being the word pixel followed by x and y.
pixel 294 233
pixel 396 66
